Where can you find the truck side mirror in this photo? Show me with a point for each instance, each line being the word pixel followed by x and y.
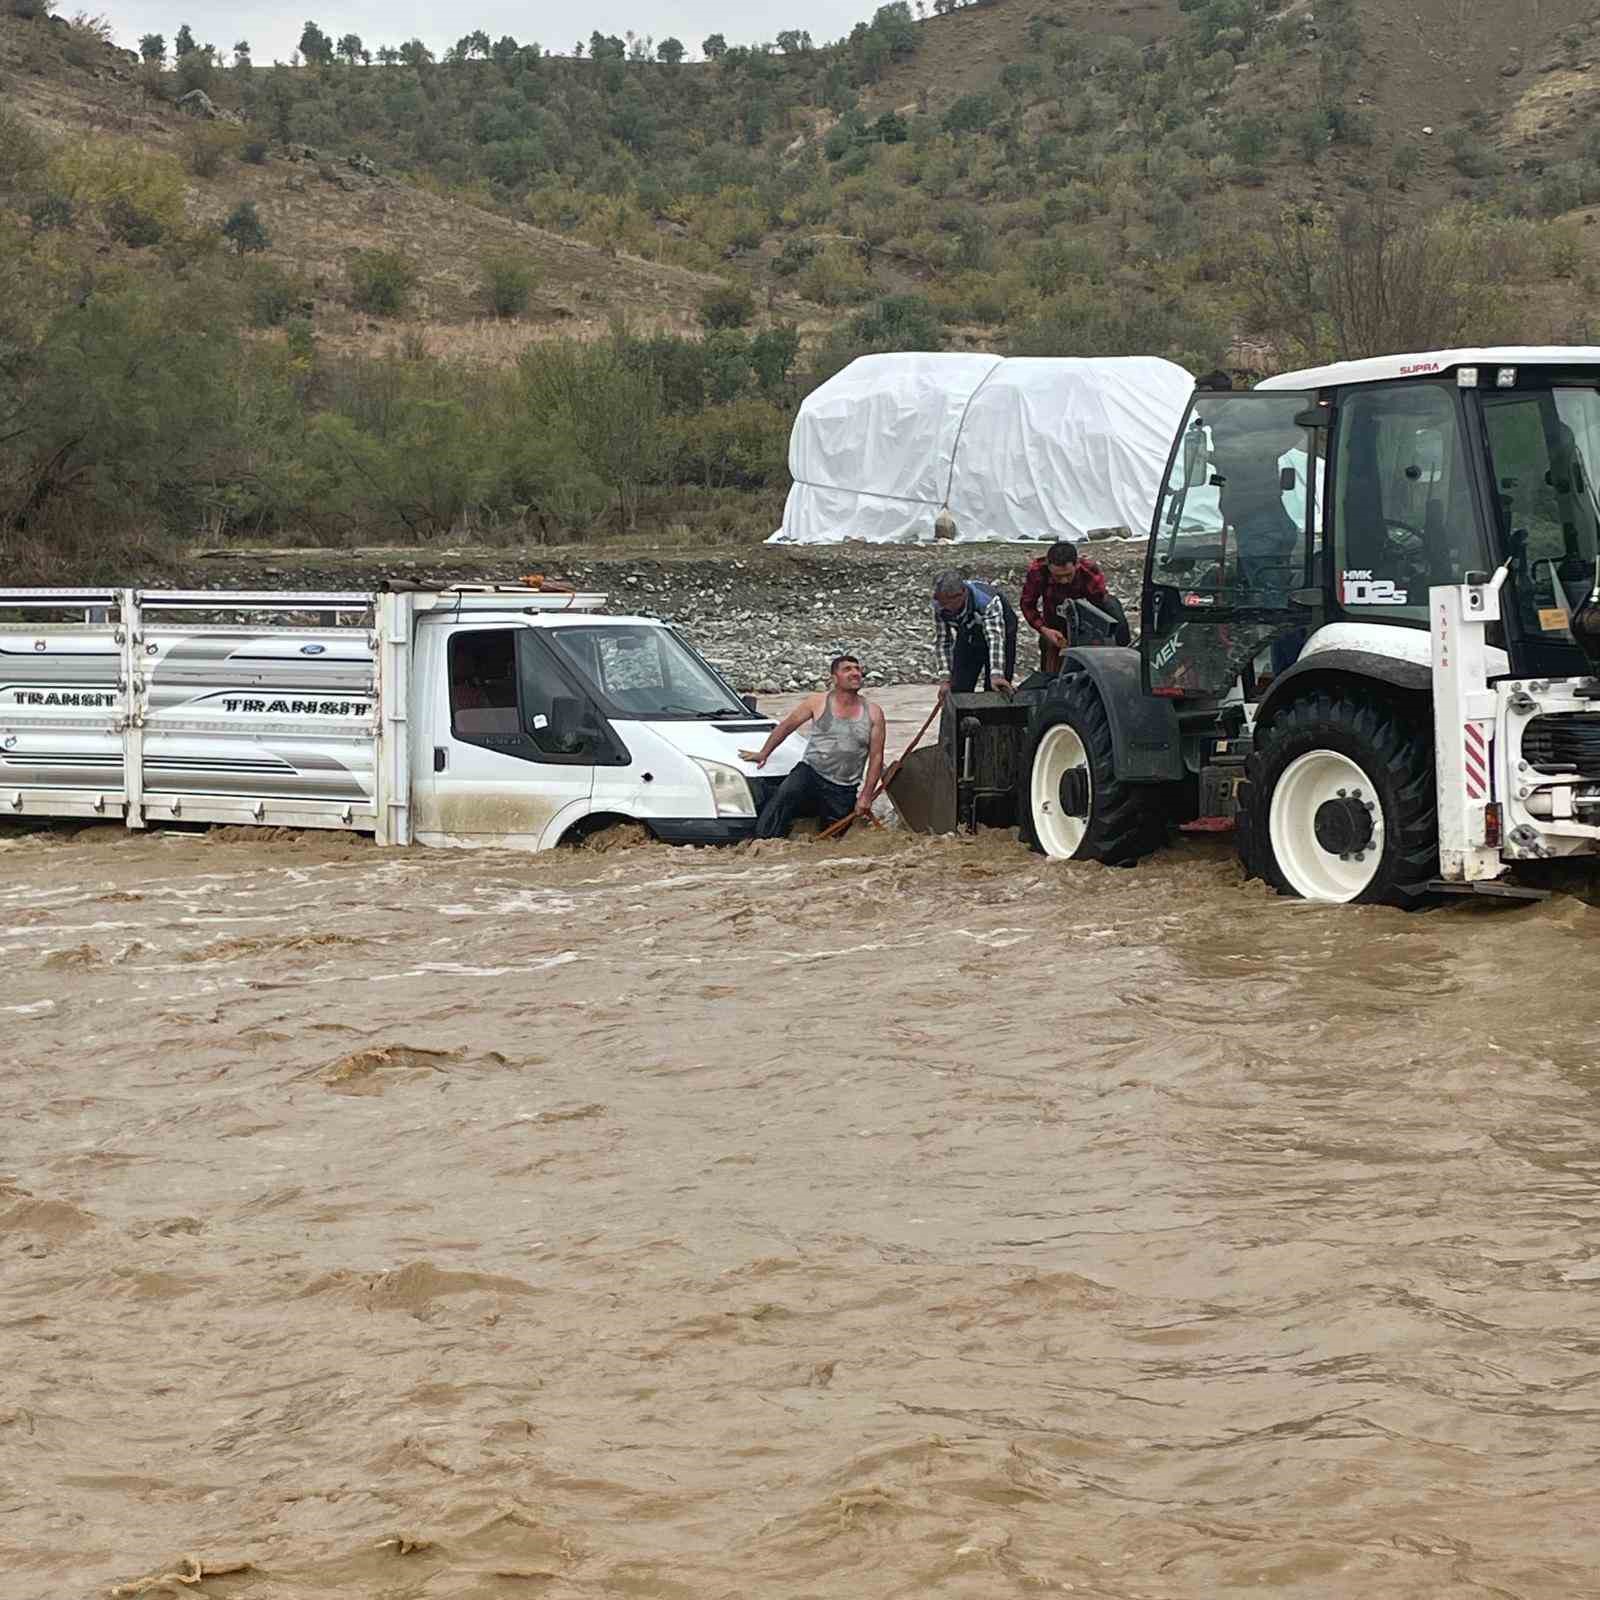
pixel 749 701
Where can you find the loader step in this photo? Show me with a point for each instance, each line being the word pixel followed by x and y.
pixel 1501 891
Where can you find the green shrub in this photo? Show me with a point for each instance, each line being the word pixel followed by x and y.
pixel 195 71
pixel 899 322
pixel 381 282
pixel 51 211
pixel 255 152
pixel 22 152
pixel 130 225
pixel 244 229
pixel 301 339
pixel 273 295
pixel 971 113
pixel 834 276
pixel 505 284
pixel 727 307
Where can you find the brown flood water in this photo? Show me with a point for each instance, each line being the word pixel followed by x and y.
pixel 880 1219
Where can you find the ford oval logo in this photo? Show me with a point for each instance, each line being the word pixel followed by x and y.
pixel 312 649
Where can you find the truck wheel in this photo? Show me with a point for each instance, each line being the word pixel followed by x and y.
pixel 1075 809
pixel 1340 803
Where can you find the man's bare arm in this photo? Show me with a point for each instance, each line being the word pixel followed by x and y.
pixel 875 738
pixel 797 718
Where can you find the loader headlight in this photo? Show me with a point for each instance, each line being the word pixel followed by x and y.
pixel 730 794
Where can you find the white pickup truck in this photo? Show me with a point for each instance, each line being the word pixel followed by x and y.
pixel 493 715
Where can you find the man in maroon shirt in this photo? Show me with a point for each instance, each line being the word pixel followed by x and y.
pixel 1053 579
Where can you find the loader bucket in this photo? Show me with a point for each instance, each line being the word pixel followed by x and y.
pixel 970 777
pixel 924 791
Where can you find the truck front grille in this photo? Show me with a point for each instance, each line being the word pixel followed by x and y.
pixel 1564 741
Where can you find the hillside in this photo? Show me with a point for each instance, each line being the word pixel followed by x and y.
pixel 506 294
pixel 321 206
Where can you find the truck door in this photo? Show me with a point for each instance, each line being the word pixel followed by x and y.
pixel 1233 546
pixel 514 742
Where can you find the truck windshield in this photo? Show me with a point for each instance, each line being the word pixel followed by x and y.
pixel 1545 448
pixel 644 671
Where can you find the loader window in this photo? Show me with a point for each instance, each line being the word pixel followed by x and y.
pixel 1545 445
pixel 1402 513
pixel 1231 528
pixel 1229 545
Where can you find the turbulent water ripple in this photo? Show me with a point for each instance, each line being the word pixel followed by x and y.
pixel 876 1220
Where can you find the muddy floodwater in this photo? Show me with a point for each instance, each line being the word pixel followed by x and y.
pixel 878 1219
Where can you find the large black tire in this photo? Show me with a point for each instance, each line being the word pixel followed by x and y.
pixel 1125 821
pixel 1390 740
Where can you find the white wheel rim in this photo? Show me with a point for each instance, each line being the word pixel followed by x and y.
pixel 1308 783
pixel 1059 752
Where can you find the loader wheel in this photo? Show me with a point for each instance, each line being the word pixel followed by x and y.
pixel 1075 809
pixel 1340 802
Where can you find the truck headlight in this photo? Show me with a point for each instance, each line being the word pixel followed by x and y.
pixel 730 794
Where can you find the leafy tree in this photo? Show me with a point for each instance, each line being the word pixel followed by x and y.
pixel 505 50
pixel 196 70
pixel 971 113
pixel 184 42
pixel 478 44
pixel 772 355
pixel 890 128
pixel 244 229
pixel 241 55
pixel 793 41
pixel 670 50
pixel 153 47
pixel 714 48
pixel 893 24
pixel 350 47
pixel 315 45
pixel 414 53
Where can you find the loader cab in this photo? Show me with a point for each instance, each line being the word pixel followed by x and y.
pixel 1344 494
pixel 1234 545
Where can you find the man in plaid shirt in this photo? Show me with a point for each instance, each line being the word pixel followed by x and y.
pixel 975 633
pixel 1053 580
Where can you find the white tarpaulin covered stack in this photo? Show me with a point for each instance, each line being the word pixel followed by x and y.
pixel 1018 448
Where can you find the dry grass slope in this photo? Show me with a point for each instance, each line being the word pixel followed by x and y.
pixel 318 212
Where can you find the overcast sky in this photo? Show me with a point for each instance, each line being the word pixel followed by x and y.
pixel 274 31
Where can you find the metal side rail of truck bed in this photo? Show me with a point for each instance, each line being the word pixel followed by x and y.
pixel 277 709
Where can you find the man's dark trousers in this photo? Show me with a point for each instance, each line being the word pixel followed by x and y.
pixel 804 793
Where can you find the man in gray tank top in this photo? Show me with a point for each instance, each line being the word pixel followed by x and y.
pixel 844 755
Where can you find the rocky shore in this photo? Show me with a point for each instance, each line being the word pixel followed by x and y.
pixel 768 616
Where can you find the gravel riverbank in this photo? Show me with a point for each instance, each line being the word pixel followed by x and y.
pixel 768 616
